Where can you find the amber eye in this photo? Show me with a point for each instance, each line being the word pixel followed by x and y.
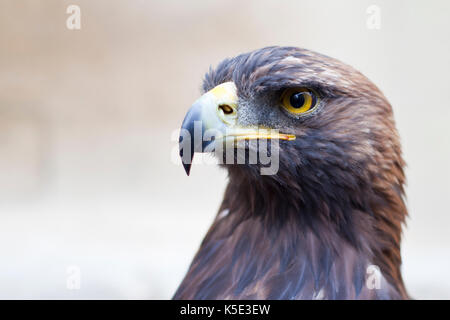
pixel 299 100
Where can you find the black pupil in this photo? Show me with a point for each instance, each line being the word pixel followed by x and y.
pixel 297 100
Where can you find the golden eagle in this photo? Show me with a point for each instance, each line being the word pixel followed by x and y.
pixel 335 207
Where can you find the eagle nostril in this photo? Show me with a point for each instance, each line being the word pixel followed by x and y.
pixel 226 109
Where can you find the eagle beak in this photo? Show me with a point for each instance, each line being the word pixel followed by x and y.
pixel 213 118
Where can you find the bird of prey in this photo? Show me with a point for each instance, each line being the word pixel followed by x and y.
pixel 327 224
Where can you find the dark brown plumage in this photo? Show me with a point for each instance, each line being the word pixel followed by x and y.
pixel 335 205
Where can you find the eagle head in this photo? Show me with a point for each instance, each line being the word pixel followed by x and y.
pixel 333 185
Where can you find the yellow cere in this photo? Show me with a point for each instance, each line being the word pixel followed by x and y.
pixel 225 93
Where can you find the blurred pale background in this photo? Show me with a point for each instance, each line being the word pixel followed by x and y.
pixel 87 116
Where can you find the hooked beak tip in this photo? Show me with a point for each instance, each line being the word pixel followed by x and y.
pixel 187 168
pixel 187 162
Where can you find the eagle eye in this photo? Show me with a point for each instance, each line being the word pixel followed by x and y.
pixel 299 100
